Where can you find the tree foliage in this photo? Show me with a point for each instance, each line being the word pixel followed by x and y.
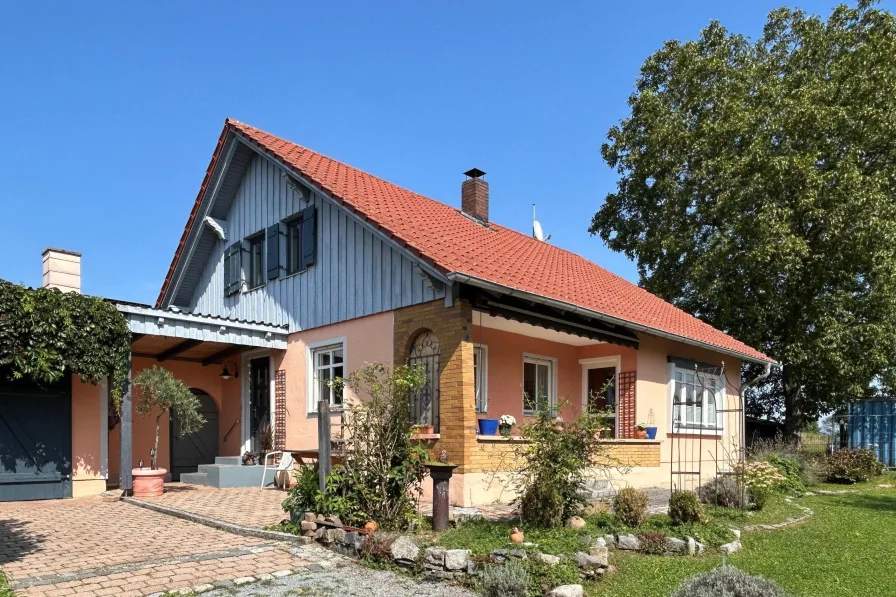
pixel 44 333
pixel 156 392
pixel 756 192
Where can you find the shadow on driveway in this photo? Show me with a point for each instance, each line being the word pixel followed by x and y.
pixel 16 541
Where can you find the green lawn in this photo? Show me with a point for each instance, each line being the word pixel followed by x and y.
pixel 848 548
pixel 5 591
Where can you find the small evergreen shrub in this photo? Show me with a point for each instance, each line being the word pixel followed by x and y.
pixel 630 506
pixel 653 542
pixel 728 581
pixel 684 508
pixel 791 469
pixel 506 580
pixel 852 466
pixel 723 491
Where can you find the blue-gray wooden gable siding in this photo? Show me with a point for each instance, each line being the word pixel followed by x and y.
pixel 355 273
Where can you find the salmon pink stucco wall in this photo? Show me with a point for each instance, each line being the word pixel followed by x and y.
pixel 505 368
pixel 226 394
pixel 89 439
pixel 366 340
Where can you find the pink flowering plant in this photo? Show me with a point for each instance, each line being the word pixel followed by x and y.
pixel 761 480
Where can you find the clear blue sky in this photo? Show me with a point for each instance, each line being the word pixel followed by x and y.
pixel 110 111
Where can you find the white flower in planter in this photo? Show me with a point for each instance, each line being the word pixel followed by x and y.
pixel 507 420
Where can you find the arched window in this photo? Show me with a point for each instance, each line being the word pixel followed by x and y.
pixel 424 402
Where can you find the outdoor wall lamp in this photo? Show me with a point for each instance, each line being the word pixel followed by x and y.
pixel 226 374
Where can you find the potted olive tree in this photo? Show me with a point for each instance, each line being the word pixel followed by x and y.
pixel 156 392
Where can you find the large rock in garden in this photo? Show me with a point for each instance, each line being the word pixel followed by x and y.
pixel 434 556
pixel 404 551
pixel 629 542
pixel 732 547
pixel 588 561
pixel 567 591
pixel 600 542
pixel 676 546
pixel 308 525
pixel 602 554
pixel 456 559
pixel 611 540
pixel 546 558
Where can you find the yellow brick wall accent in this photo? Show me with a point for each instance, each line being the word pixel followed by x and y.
pixel 497 456
pixel 452 327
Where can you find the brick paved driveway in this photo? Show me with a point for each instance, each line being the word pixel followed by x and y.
pixel 245 506
pixel 93 548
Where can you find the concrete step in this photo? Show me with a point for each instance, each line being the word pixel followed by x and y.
pixel 194 478
pixel 228 460
pixel 229 475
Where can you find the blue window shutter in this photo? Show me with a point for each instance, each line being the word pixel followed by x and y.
pixel 233 269
pixel 273 250
pixel 227 280
pixel 309 237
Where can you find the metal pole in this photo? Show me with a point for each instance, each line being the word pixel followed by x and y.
pixel 125 482
pixel 323 444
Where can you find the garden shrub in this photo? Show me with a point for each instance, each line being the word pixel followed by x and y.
pixel 852 466
pixel 383 468
pixel 684 508
pixel 762 480
pixel 555 462
pixel 302 497
pixel 728 581
pixel 630 506
pixel 653 542
pixel 791 469
pixel 544 577
pixel 506 580
pixel 723 491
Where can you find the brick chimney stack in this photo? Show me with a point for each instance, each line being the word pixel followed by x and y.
pixel 474 195
pixel 62 270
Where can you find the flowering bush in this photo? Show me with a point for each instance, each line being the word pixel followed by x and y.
pixel 762 480
pixel 852 466
pixel 507 420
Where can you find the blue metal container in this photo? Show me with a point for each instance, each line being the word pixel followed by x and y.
pixel 872 426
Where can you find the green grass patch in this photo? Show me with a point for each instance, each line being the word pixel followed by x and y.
pixel 5 590
pixel 775 511
pixel 840 552
pixel 482 536
pixel 886 478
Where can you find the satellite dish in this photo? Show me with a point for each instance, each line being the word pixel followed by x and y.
pixel 537 232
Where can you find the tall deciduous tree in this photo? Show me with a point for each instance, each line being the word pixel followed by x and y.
pixel 757 191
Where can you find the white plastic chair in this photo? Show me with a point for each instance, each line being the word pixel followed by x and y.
pixel 286 462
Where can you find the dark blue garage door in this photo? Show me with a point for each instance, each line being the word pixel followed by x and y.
pixel 35 441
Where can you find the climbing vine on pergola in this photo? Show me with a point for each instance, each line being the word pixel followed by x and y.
pixel 44 333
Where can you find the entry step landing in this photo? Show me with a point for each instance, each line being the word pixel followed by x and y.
pixel 228 471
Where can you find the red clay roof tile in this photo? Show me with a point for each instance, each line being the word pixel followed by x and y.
pixel 446 238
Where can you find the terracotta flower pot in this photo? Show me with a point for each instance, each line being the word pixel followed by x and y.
pixel 640 433
pixel 149 482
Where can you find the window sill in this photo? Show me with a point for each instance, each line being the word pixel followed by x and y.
pixel 333 411
pixel 630 440
pixel 294 274
pixel 425 436
pixel 500 438
pixel 251 290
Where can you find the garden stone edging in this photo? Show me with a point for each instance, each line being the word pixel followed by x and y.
pixel 807 513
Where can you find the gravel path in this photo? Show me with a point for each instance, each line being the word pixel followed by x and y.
pixel 350 580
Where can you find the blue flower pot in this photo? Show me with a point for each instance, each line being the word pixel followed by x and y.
pixel 488 426
pixel 651 433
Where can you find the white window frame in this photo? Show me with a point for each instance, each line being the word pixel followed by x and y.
pixel 601 363
pixel 311 370
pixel 537 359
pixel 704 427
pixel 482 396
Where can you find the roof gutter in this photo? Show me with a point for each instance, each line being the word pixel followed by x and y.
pixel 486 285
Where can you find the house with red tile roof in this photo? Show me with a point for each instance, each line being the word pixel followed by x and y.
pixel 294 268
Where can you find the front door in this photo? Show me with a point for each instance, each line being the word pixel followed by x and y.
pixel 35 440
pixel 200 447
pixel 260 431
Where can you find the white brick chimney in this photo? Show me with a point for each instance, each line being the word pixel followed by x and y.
pixel 62 270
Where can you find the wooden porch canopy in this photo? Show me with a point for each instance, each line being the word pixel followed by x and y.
pixel 167 334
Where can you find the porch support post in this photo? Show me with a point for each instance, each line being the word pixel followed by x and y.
pixel 125 482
